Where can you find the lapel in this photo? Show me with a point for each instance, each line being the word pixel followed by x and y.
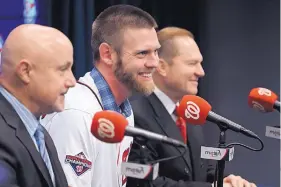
pixel 14 121
pixel 55 164
pixel 195 141
pixel 168 125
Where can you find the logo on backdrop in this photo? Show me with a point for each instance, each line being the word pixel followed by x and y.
pixel 29 11
pixel 1 45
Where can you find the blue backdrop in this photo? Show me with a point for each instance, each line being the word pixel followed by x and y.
pixel 240 42
pixel 16 12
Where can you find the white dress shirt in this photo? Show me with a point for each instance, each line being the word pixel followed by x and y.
pixel 166 101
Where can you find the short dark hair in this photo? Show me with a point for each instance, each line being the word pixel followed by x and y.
pixel 108 25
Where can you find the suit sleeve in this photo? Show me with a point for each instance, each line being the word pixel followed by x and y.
pixel 146 151
pixel 211 171
pixel 70 131
pixel 8 175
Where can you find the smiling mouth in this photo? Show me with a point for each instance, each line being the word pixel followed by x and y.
pixel 146 75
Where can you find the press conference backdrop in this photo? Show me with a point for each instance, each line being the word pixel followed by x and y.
pixel 240 42
pixel 16 12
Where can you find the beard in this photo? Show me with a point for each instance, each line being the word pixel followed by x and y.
pixel 130 81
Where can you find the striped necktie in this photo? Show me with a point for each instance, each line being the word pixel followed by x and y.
pixel 39 136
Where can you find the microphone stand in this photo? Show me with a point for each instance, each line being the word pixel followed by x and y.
pixel 221 163
pixel 144 160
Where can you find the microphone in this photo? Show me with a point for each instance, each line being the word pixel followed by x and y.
pixel 263 100
pixel 111 127
pixel 196 111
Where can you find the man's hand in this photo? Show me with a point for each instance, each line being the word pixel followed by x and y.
pixel 236 181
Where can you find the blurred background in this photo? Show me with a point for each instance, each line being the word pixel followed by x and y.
pixel 240 43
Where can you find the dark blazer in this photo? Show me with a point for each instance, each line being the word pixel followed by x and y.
pixel 187 171
pixel 20 162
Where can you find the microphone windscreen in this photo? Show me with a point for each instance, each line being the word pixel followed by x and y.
pixel 109 126
pixel 262 99
pixel 194 109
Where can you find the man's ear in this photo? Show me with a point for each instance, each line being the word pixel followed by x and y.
pixel 23 71
pixel 106 53
pixel 162 67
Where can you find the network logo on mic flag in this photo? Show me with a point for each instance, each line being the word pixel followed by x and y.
pixel 29 11
pixel 213 153
pixel 272 132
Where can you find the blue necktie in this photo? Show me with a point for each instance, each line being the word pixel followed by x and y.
pixel 39 136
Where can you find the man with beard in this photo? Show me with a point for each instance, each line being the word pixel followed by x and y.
pixel 177 75
pixel 125 48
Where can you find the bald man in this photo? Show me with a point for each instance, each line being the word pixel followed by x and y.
pixel 35 75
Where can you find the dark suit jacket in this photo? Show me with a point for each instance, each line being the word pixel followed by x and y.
pixel 20 162
pixel 187 171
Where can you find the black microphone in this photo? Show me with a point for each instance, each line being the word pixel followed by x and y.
pixel 196 111
pixel 111 127
pixel 276 105
pixel 226 123
pixel 133 131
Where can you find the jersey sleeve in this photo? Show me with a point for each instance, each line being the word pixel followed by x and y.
pixel 76 147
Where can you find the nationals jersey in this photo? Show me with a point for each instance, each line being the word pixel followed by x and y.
pixel 87 161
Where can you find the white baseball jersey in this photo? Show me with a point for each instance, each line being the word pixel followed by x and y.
pixel 87 162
